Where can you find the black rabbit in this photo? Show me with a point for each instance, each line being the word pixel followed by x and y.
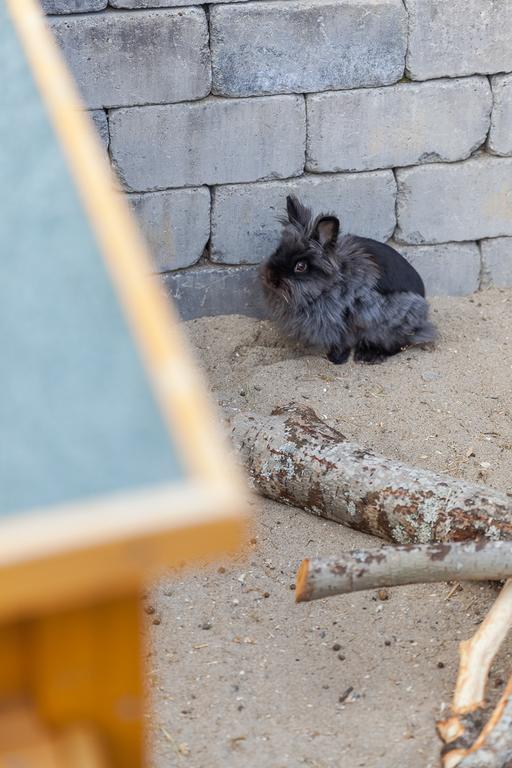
pixel 343 292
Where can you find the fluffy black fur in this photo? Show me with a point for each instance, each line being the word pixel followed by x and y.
pixel 343 292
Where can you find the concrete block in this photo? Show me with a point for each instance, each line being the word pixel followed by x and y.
pixel 99 118
pixel 449 38
pixel 447 269
pixel 162 3
pixel 73 6
pixel 208 291
pixel 245 226
pixel 149 57
pixel 403 124
pixel 176 225
pixel 440 203
pixel 216 141
pixel 500 136
pixel 497 261
pixel 299 45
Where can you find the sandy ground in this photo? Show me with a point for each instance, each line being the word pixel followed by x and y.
pixel 244 677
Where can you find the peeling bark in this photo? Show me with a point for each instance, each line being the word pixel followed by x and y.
pixel 470 741
pixel 411 564
pixel 297 459
pixel 493 749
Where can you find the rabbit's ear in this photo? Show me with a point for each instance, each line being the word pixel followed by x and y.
pixel 326 230
pixel 297 213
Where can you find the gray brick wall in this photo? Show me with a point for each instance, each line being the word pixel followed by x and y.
pixel 496 259
pixel 405 124
pixel 214 141
pixel 450 38
pixel 500 135
pixel 100 120
pixel 176 225
pixel 448 269
pixel 151 57
pixel 294 46
pixel 73 6
pixel 441 202
pixel 395 114
pixel 255 209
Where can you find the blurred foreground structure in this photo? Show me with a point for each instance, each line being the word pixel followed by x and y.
pixel 111 468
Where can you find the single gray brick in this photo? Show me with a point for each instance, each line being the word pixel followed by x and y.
pixel 447 269
pixel 497 261
pixel 400 125
pixel 99 118
pixel 176 225
pixel 162 3
pixel 306 45
pixel 500 136
pixel 133 4
pixel 216 141
pixel 73 6
pixel 208 291
pixel 123 58
pixel 460 201
pixel 448 38
pixel 245 226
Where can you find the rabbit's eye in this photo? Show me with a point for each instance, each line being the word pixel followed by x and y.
pixel 301 266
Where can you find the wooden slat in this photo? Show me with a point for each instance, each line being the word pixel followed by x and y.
pixel 79 747
pixel 19 726
pixel 86 668
pixel 13 670
pixel 26 743
pixel 82 557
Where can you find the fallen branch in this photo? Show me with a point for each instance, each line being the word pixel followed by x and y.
pixel 295 458
pixel 410 564
pixel 493 748
pixel 470 744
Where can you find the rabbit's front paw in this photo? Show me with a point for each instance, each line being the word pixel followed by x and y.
pixel 338 355
pixel 369 353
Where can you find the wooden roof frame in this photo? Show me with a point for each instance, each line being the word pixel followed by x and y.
pixel 56 555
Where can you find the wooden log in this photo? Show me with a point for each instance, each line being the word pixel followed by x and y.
pixel 468 742
pixel 408 564
pixel 297 459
